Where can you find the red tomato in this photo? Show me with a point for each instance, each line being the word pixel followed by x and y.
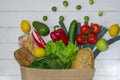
pixel 85 29
pixel 92 38
pixel 80 39
pixel 96 28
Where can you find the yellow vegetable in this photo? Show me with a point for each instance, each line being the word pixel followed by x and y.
pixel 25 26
pixel 114 30
pixel 39 52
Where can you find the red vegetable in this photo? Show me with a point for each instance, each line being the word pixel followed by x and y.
pixel 92 38
pixel 40 42
pixel 85 29
pixel 59 34
pixel 81 39
pixel 95 28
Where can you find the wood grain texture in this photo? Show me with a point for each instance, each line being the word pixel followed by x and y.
pixel 12 12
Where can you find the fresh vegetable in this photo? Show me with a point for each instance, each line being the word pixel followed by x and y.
pixel 65 53
pixel 92 38
pixel 100 13
pixel 65 3
pixel 85 29
pixel 114 30
pixel 91 2
pixel 25 26
pixel 81 39
pixel 78 28
pixel 39 52
pixel 110 41
pixel 86 18
pixel 72 31
pixel 45 18
pixel 78 7
pixel 62 25
pixel 41 28
pixel 59 34
pixel 54 8
pixel 102 44
pixel 58 56
pixel 40 42
pixel 95 28
pixel 61 18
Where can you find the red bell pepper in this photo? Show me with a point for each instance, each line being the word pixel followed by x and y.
pixel 40 42
pixel 59 34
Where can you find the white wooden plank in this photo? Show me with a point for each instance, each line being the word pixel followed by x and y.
pixel 9 68
pixel 45 5
pixel 107 70
pixel 10 77
pixel 107 19
pixel 9 34
pixel 7 50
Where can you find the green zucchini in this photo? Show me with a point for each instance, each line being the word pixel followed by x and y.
pixel 62 25
pixel 72 31
pixel 110 41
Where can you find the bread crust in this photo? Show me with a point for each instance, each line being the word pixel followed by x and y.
pixel 24 57
pixel 85 59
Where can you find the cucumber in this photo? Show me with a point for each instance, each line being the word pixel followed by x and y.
pixel 72 31
pixel 110 41
pixel 62 25
pixel 41 28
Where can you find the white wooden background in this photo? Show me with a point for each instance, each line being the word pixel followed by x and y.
pixel 12 12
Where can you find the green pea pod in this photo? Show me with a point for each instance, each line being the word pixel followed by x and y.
pixel 72 31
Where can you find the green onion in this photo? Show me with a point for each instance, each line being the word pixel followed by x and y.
pixel 100 13
pixel 78 7
pixel 91 2
pixel 86 18
pixel 54 8
pixel 45 18
pixel 61 18
pixel 65 3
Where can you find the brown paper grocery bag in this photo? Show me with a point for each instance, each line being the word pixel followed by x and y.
pixel 56 74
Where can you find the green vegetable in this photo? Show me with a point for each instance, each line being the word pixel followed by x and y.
pixel 72 31
pixel 78 7
pixel 58 56
pixel 45 18
pixel 91 2
pixel 41 28
pixel 61 18
pixel 86 18
pixel 65 3
pixel 100 13
pixel 78 32
pixel 54 8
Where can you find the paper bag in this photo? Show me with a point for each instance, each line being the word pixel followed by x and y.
pixel 56 74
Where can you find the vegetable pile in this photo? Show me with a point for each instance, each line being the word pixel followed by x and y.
pixel 61 50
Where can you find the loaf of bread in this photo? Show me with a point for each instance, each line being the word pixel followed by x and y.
pixel 24 56
pixel 85 59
